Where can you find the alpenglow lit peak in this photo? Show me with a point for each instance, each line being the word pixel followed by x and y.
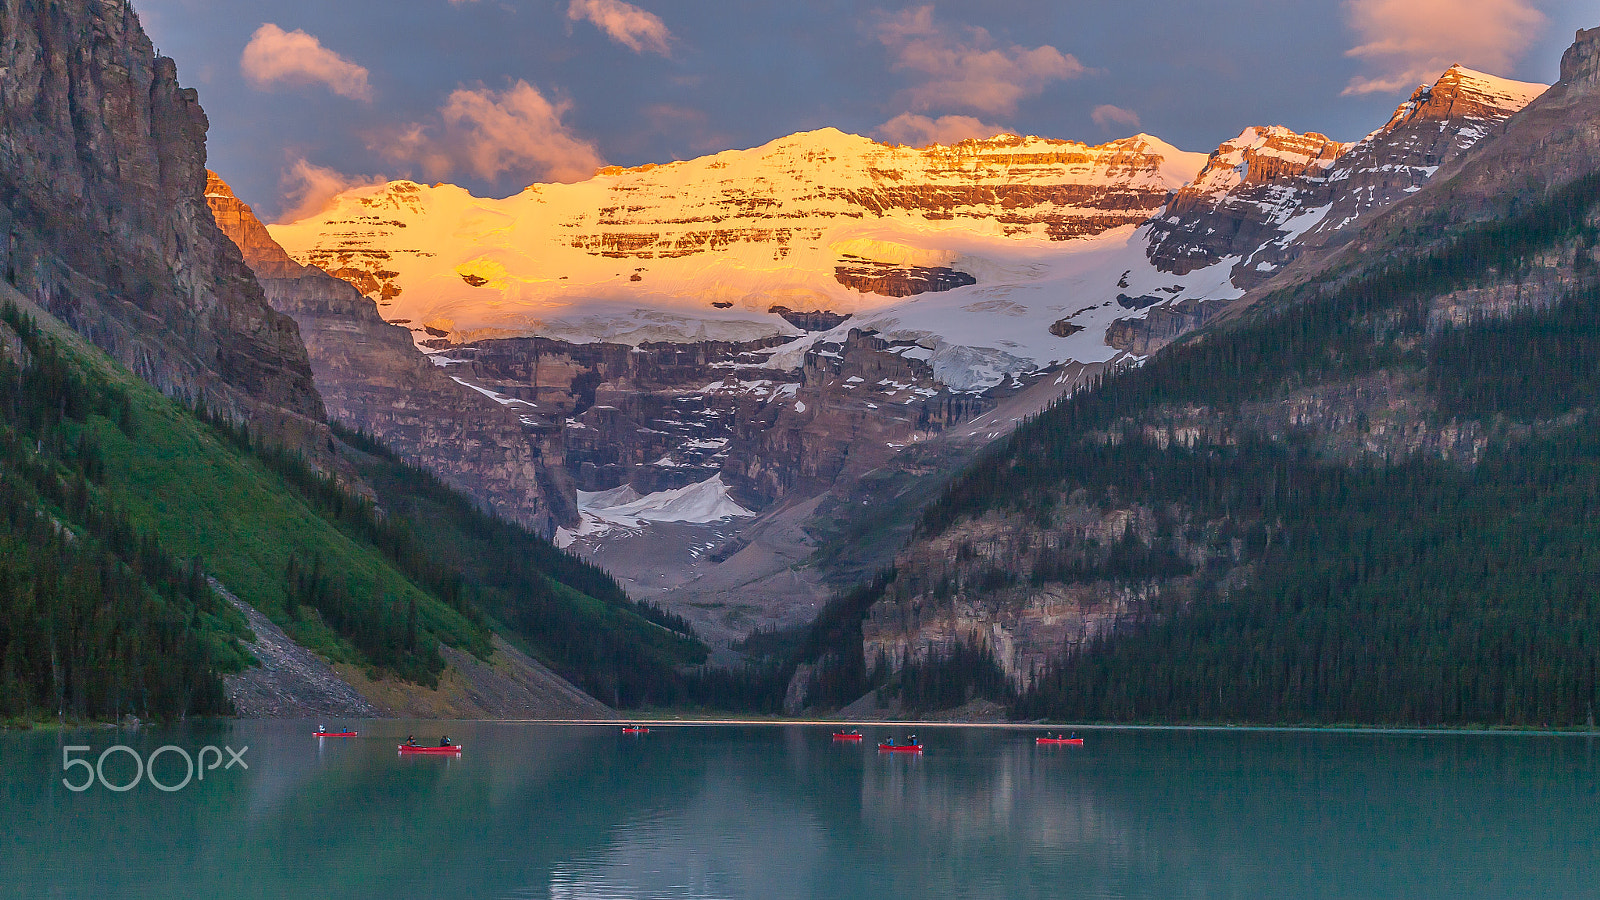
pixel 707 248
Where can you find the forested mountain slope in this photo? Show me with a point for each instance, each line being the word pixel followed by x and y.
pixel 1369 497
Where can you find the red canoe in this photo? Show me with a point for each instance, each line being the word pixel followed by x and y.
pixel 333 734
pixel 408 748
pixel 846 736
pixel 900 748
pixel 1050 740
pixel 631 729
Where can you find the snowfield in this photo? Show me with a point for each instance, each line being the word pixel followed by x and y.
pixel 623 507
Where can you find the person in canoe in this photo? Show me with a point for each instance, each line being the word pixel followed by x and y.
pixel 445 741
pixel 411 740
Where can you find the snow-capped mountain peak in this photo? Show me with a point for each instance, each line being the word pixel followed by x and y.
pixel 998 255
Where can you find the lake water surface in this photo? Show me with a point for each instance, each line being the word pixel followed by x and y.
pixel 785 812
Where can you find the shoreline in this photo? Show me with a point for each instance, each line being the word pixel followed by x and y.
pixel 731 722
pixel 1509 730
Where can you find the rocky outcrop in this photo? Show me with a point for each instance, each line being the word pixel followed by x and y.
pixel 1031 586
pixel 992 584
pixel 662 416
pixel 373 378
pixel 1270 195
pixel 898 281
pixel 102 184
pixel 1031 186
pixel 1162 325
pixel 811 319
pixel 1580 65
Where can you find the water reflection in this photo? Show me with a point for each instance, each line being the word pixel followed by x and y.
pixel 582 812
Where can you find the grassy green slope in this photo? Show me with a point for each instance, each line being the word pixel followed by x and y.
pixel 182 480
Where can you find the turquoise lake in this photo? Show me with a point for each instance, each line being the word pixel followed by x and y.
pixel 553 811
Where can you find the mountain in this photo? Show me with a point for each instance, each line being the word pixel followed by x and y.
pixel 1270 194
pixel 109 229
pixel 825 326
pixel 182 531
pixel 707 248
pixel 373 378
pixel 1359 495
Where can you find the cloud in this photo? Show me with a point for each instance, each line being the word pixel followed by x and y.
pixel 1409 42
pixel 309 188
pixel 966 67
pixel 275 56
pixel 920 131
pixel 491 133
pixel 637 29
pixel 1105 115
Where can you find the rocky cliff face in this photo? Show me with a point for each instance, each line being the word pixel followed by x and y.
pixel 1580 64
pixel 856 405
pixel 655 417
pixel 102 183
pixel 372 377
pixel 990 583
pixel 662 416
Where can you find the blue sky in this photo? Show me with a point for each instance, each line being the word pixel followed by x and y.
pixel 306 95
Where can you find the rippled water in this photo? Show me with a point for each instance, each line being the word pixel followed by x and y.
pixel 784 812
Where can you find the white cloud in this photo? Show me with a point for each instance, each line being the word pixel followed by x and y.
pixel 309 188
pixel 1409 42
pixel 920 131
pixel 967 67
pixel 637 29
pixel 1105 115
pixel 491 133
pixel 275 56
